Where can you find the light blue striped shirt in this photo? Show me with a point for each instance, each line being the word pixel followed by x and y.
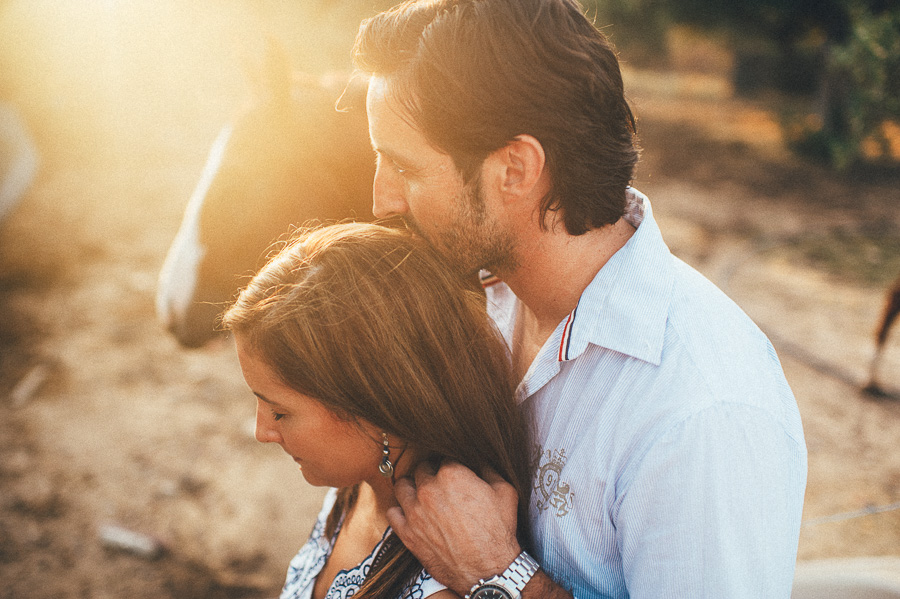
pixel 672 460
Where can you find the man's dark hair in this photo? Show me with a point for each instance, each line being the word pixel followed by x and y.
pixel 474 74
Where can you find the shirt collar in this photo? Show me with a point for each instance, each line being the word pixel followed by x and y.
pixel 625 307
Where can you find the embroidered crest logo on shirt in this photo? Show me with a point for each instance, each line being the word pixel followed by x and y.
pixel 551 492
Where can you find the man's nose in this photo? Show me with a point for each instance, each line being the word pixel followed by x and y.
pixel 388 195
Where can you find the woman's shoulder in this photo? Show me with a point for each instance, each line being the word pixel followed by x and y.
pixel 317 536
pixel 308 562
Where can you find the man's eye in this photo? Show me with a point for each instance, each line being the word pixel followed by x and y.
pixel 397 168
pixel 277 416
pixel 381 159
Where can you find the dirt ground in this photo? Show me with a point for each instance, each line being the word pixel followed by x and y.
pixel 124 428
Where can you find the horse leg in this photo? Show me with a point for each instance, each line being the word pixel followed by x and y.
pixel 891 310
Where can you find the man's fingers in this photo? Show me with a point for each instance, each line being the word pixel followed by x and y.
pixel 491 477
pixel 397 519
pixel 424 472
pixel 503 490
pixel 405 491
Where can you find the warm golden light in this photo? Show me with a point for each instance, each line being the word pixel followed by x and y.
pixel 109 79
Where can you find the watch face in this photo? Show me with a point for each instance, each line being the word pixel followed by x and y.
pixel 490 591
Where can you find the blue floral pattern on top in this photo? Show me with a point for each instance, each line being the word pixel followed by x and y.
pixel 311 558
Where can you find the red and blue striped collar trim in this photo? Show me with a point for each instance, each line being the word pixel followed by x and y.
pixel 488 279
pixel 566 340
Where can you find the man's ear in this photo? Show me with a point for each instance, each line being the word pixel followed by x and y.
pixel 519 168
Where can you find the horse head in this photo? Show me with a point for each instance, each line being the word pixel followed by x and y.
pixel 290 159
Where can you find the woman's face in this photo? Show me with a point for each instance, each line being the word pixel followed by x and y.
pixel 330 451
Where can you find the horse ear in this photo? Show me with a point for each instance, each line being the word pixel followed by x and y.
pixel 272 80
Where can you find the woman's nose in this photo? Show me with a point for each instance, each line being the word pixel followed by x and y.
pixel 265 431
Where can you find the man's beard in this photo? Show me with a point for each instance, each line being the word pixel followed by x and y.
pixel 471 242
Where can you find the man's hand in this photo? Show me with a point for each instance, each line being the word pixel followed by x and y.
pixel 460 526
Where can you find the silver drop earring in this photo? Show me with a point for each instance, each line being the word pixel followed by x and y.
pixel 385 467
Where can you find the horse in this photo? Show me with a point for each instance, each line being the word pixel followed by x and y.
pixel 19 159
pixel 889 315
pixel 291 159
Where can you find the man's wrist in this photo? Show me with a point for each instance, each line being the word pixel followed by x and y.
pixel 541 586
pixel 509 583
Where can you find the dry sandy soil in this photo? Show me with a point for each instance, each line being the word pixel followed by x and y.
pixel 127 429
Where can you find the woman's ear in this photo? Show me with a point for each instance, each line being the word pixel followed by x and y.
pixel 519 168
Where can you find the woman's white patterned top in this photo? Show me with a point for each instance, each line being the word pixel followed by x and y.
pixel 309 561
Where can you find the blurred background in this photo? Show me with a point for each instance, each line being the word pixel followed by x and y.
pixel 771 151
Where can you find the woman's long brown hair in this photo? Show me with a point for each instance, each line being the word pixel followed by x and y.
pixel 370 322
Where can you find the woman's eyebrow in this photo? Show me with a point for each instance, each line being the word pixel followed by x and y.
pixel 265 399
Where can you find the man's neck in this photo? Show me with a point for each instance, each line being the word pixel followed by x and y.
pixel 554 268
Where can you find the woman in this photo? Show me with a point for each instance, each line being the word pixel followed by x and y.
pixel 367 357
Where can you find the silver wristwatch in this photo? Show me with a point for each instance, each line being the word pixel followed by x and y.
pixel 509 584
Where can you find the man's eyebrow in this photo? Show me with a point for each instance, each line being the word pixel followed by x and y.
pixel 385 152
pixel 390 154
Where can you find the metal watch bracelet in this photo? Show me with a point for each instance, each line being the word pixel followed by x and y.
pixel 512 580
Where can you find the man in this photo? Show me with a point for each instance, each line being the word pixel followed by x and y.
pixel 670 454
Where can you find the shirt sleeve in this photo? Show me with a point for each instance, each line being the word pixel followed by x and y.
pixel 712 510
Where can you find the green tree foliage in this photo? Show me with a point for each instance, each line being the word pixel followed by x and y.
pixel 864 98
pixel 846 53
